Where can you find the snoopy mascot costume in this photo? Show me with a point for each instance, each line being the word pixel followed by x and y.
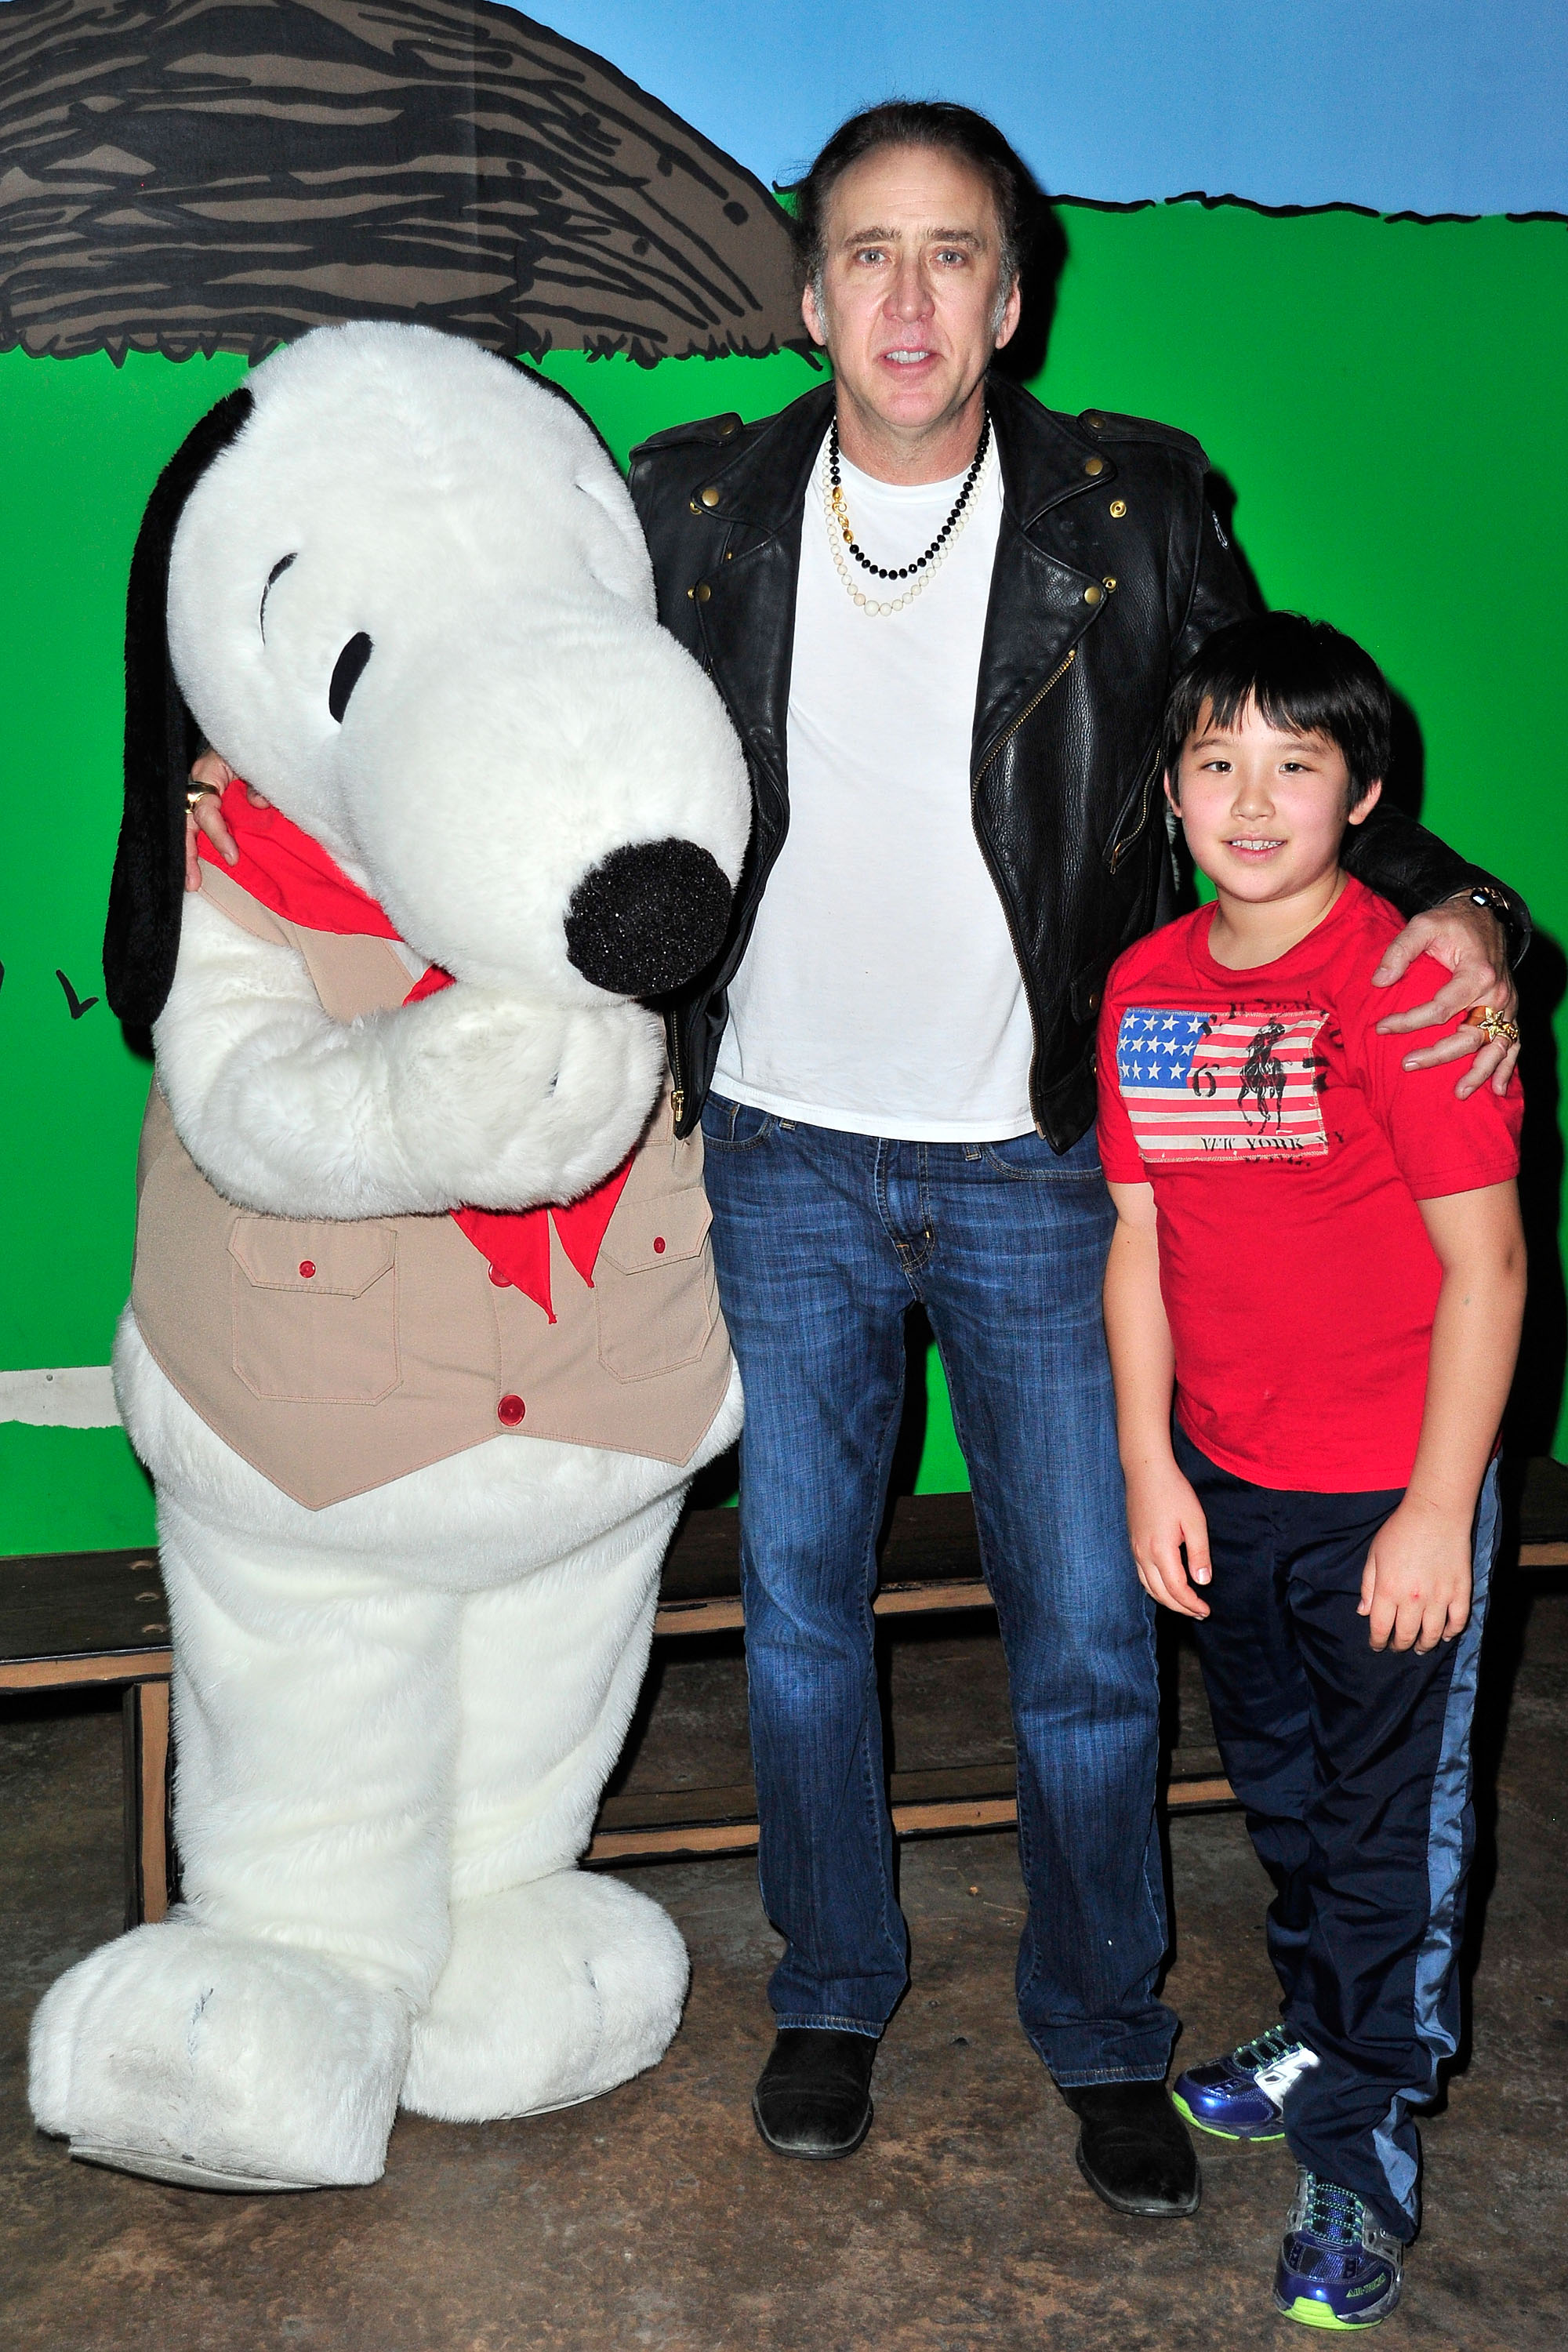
pixel 423 1345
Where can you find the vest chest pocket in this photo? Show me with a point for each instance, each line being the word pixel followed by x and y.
pixel 654 1285
pixel 315 1310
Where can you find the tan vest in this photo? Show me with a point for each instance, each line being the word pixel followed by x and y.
pixel 336 1357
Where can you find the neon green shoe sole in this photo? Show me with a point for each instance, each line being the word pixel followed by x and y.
pixel 1309 2312
pixel 1237 2139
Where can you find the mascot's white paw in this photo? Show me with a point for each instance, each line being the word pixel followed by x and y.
pixel 219 2062
pixel 553 1992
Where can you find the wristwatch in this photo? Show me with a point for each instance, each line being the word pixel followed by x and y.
pixel 1487 894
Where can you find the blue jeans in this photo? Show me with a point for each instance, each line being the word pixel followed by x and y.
pixel 823 1241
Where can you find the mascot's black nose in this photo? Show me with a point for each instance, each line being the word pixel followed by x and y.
pixel 647 917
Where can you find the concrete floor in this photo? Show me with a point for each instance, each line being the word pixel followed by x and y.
pixel 655 2216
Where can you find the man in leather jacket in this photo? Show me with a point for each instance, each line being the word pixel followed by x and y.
pixel 833 1215
pixel 1112 567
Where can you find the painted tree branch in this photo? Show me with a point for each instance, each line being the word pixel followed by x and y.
pixel 185 175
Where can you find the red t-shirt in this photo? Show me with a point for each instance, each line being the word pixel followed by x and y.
pixel 1288 1151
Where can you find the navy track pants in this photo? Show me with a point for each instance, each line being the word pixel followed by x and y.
pixel 1353 1767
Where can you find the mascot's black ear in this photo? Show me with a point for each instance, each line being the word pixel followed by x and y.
pixel 141 937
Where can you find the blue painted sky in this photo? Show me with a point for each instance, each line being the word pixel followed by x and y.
pixel 1428 106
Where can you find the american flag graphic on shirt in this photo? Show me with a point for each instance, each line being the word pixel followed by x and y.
pixel 1209 1085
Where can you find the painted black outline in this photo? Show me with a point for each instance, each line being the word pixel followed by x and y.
pixel 1298 212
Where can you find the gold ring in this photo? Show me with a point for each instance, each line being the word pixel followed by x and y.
pixel 1492 1025
pixel 196 792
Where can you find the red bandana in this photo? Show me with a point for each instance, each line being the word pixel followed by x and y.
pixel 294 877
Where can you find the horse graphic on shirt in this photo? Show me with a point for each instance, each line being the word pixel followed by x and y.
pixel 1263 1075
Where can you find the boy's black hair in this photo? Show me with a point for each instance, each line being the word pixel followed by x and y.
pixel 919 123
pixel 1298 674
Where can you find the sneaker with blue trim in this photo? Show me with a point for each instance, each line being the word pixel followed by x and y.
pixel 1242 2096
pixel 1338 2267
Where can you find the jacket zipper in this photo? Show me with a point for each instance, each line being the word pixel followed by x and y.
pixel 677 1082
pixel 1129 838
pixel 1001 743
pixel 1028 711
pixel 1137 816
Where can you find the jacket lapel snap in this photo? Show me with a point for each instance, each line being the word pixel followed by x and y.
pixel 1040 608
pixel 1041 604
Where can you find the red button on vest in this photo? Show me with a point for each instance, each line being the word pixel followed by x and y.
pixel 308 1267
pixel 501 1281
pixel 658 1245
pixel 511 1409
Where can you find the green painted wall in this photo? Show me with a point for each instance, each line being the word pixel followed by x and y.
pixel 1386 399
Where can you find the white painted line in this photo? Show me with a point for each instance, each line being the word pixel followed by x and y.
pixel 76 1396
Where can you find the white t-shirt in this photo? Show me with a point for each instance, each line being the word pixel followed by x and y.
pixel 880 990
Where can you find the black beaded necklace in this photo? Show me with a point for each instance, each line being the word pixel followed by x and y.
pixel 841 513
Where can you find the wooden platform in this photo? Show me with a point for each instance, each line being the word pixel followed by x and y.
pixel 68 1619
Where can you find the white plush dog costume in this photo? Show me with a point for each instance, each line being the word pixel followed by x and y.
pixel 407 596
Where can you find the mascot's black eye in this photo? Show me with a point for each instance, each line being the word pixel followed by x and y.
pixel 346 674
pixel 278 569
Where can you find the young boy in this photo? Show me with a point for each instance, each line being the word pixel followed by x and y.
pixel 1318 1254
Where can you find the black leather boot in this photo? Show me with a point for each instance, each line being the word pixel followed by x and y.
pixel 814 2098
pixel 1134 2149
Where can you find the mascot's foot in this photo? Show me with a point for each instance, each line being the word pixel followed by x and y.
pixel 183 2172
pixel 219 2062
pixel 551 1993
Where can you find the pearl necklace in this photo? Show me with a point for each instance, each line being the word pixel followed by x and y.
pixel 924 568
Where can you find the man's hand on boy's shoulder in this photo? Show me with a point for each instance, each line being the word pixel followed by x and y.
pixel 1471 941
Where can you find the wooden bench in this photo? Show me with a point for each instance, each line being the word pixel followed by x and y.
pixel 76 1618
pixel 69 1619
pixel 930 1563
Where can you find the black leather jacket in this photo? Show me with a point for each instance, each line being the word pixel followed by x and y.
pixel 1111 568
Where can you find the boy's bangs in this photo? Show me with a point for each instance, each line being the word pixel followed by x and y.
pixel 1288 712
pixel 1301 676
